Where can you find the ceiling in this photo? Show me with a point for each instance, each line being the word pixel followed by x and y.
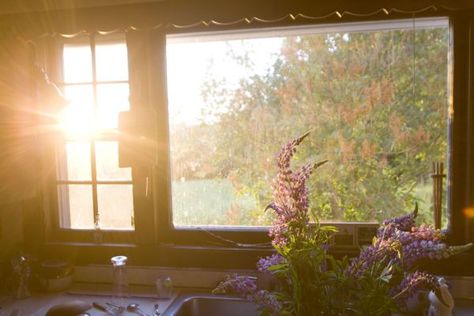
pixel 22 6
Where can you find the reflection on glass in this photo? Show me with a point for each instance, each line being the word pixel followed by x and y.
pixel 77 63
pixel 78 161
pixel 115 206
pixel 78 200
pixel 112 62
pixel 111 99
pixel 107 162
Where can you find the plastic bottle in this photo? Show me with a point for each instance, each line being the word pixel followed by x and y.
pixel 120 282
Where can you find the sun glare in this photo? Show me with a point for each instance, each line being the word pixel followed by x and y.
pixel 95 84
pixel 92 109
pixel 79 119
pixel 76 122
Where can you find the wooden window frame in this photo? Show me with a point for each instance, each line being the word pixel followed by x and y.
pixel 159 243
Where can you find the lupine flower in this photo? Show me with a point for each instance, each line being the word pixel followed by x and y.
pixel 404 223
pixel 241 285
pixel 287 152
pixel 413 283
pixel 246 287
pixel 290 195
pixel 398 246
pixel 268 301
pixel 264 263
pixel 382 251
pixel 415 244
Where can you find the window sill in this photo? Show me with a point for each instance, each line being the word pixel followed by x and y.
pixel 156 255
pixel 196 278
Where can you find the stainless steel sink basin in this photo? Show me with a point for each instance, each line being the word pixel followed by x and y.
pixel 215 305
pixel 211 305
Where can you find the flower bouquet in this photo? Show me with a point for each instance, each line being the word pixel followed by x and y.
pixel 306 280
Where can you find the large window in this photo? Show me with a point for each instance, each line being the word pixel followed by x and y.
pixel 383 100
pixel 374 94
pixel 93 192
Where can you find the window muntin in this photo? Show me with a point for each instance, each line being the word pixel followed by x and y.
pixel 235 97
pixel 93 192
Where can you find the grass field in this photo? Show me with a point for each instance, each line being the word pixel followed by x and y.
pixel 215 202
pixel 424 194
pixel 208 202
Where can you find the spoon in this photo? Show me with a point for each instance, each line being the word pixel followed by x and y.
pixel 118 308
pixel 134 308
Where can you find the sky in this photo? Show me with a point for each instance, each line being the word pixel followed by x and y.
pixel 189 65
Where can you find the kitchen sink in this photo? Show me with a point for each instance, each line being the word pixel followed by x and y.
pixel 217 305
pixel 211 305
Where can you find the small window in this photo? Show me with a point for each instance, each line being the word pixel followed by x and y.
pixel 93 192
pixel 374 94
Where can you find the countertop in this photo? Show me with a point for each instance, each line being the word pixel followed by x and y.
pixel 92 283
pixel 39 303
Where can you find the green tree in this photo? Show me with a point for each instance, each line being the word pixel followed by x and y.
pixel 376 102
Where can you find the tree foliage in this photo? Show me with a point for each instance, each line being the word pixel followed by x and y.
pixel 375 101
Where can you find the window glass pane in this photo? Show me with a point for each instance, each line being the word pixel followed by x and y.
pixel 75 205
pixel 112 99
pixel 84 121
pixel 222 204
pixel 74 161
pixel 77 119
pixel 107 162
pixel 374 95
pixel 115 206
pixel 112 62
pixel 77 63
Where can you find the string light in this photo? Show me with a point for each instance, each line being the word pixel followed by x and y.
pixel 246 20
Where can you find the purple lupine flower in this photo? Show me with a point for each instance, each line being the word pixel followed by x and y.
pixel 268 301
pixel 404 223
pixel 425 242
pixel 241 285
pixel 246 287
pixel 264 263
pixel 290 195
pixel 413 283
pixel 401 247
pixel 382 251
pixel 287 152
pixel 422 242
pixel 414 244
